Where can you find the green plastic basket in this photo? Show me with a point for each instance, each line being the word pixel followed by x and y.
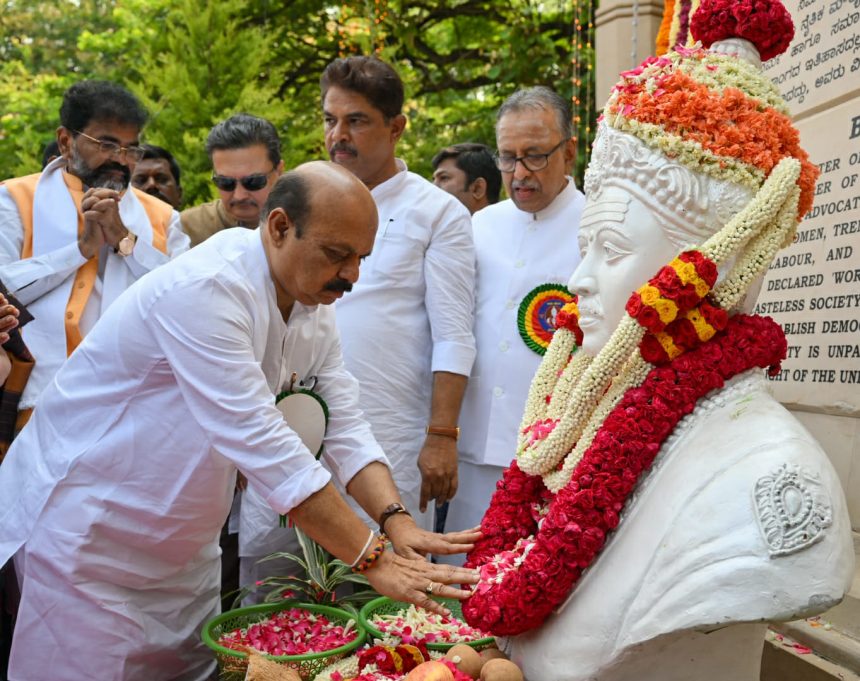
pixel 232 664
pixel 386 606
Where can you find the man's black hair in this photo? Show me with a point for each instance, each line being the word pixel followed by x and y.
pixel 152 151
pixel 50 152
pixel 370 77
pixel 291 192
pixel 243 130
pixel 475 160
pixel 100 100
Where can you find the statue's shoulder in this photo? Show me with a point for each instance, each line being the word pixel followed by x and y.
pixel 744 519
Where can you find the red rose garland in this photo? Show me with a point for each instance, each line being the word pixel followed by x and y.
pixel 765 23
pixel 524 579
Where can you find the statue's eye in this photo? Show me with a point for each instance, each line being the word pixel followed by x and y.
pixel 614 251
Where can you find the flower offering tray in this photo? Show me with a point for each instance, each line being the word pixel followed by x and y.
pixel 387 606
pixel 232 664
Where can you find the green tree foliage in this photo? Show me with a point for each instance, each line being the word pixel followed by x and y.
pixel 194 62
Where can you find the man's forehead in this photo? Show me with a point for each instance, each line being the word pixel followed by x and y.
pixel 448 165
pixel 251 159
pixel 152 165
pixel 112 130
pixel 345 102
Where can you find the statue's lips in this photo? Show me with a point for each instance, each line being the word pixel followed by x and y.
pixel 588 320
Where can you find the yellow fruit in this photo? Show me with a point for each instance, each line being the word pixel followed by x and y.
pixel 467 659
pixel 500 670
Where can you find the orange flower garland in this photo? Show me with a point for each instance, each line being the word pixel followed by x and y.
pixel 665 26
pixel 727 123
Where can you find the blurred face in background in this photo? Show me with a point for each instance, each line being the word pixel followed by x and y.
pixel 154 176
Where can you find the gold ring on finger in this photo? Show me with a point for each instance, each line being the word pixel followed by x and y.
pixel 429 588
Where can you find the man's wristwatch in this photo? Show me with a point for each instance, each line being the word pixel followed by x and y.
pixel 391 510
pixel 125 247
pixel 453 431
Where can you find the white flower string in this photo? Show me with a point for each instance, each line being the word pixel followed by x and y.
pixel 545 442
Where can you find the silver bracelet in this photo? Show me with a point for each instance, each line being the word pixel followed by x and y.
pixel 364 550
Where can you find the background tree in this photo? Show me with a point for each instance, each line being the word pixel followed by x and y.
pixel 194 63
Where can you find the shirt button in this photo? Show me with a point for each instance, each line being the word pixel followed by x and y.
pixel 511 304
pixel 498 392
pixel 69 315
pixel 520 263
pixel 504 346
pixel 532 228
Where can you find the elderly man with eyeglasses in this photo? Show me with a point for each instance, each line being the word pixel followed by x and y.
pixel 75 236
pixel 245 152
pixel 526 250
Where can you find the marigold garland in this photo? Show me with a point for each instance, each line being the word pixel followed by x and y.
pixel 726 123
pixel 530 556
pixel 662 43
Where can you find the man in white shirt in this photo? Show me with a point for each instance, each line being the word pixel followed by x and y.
pixel 407 326
pixel 526 248
pixel 120 483
pixel 75 236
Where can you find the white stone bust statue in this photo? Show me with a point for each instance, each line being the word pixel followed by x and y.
pixel 741 520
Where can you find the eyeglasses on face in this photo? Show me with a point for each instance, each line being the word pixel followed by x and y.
pixel 533 162
pixel 108 148
pixel 253 183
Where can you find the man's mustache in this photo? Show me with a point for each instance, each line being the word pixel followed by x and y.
pixel 342 147
pixel 153 191
pixel 102 177
pixel 523 184
pixel 338 286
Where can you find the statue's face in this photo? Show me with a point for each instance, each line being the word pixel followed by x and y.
pixel 622 245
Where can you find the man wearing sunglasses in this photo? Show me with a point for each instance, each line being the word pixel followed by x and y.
pixel 245 152
pixel 75 236
pixel 523 243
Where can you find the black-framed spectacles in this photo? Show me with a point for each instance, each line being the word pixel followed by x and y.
pixel 533 162
pixel 253 183
pixel 132 153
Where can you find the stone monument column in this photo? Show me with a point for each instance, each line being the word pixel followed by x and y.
pixel 625 31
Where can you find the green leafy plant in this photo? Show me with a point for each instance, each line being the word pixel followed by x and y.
pixel 320 578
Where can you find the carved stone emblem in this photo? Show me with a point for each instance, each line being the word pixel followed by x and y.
pixel 793 509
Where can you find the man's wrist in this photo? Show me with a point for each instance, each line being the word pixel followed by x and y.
pixel 452 432
pixel 86 250
pixel 391 511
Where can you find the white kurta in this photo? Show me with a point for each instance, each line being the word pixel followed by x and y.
pixel 119 485
pixel 44 282
pixel 410 314
pixel 516 251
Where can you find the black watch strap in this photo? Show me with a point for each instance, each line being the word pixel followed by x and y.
pixel 391 510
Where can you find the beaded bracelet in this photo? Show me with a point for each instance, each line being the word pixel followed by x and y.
pixel 361 553
pixel 368 562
